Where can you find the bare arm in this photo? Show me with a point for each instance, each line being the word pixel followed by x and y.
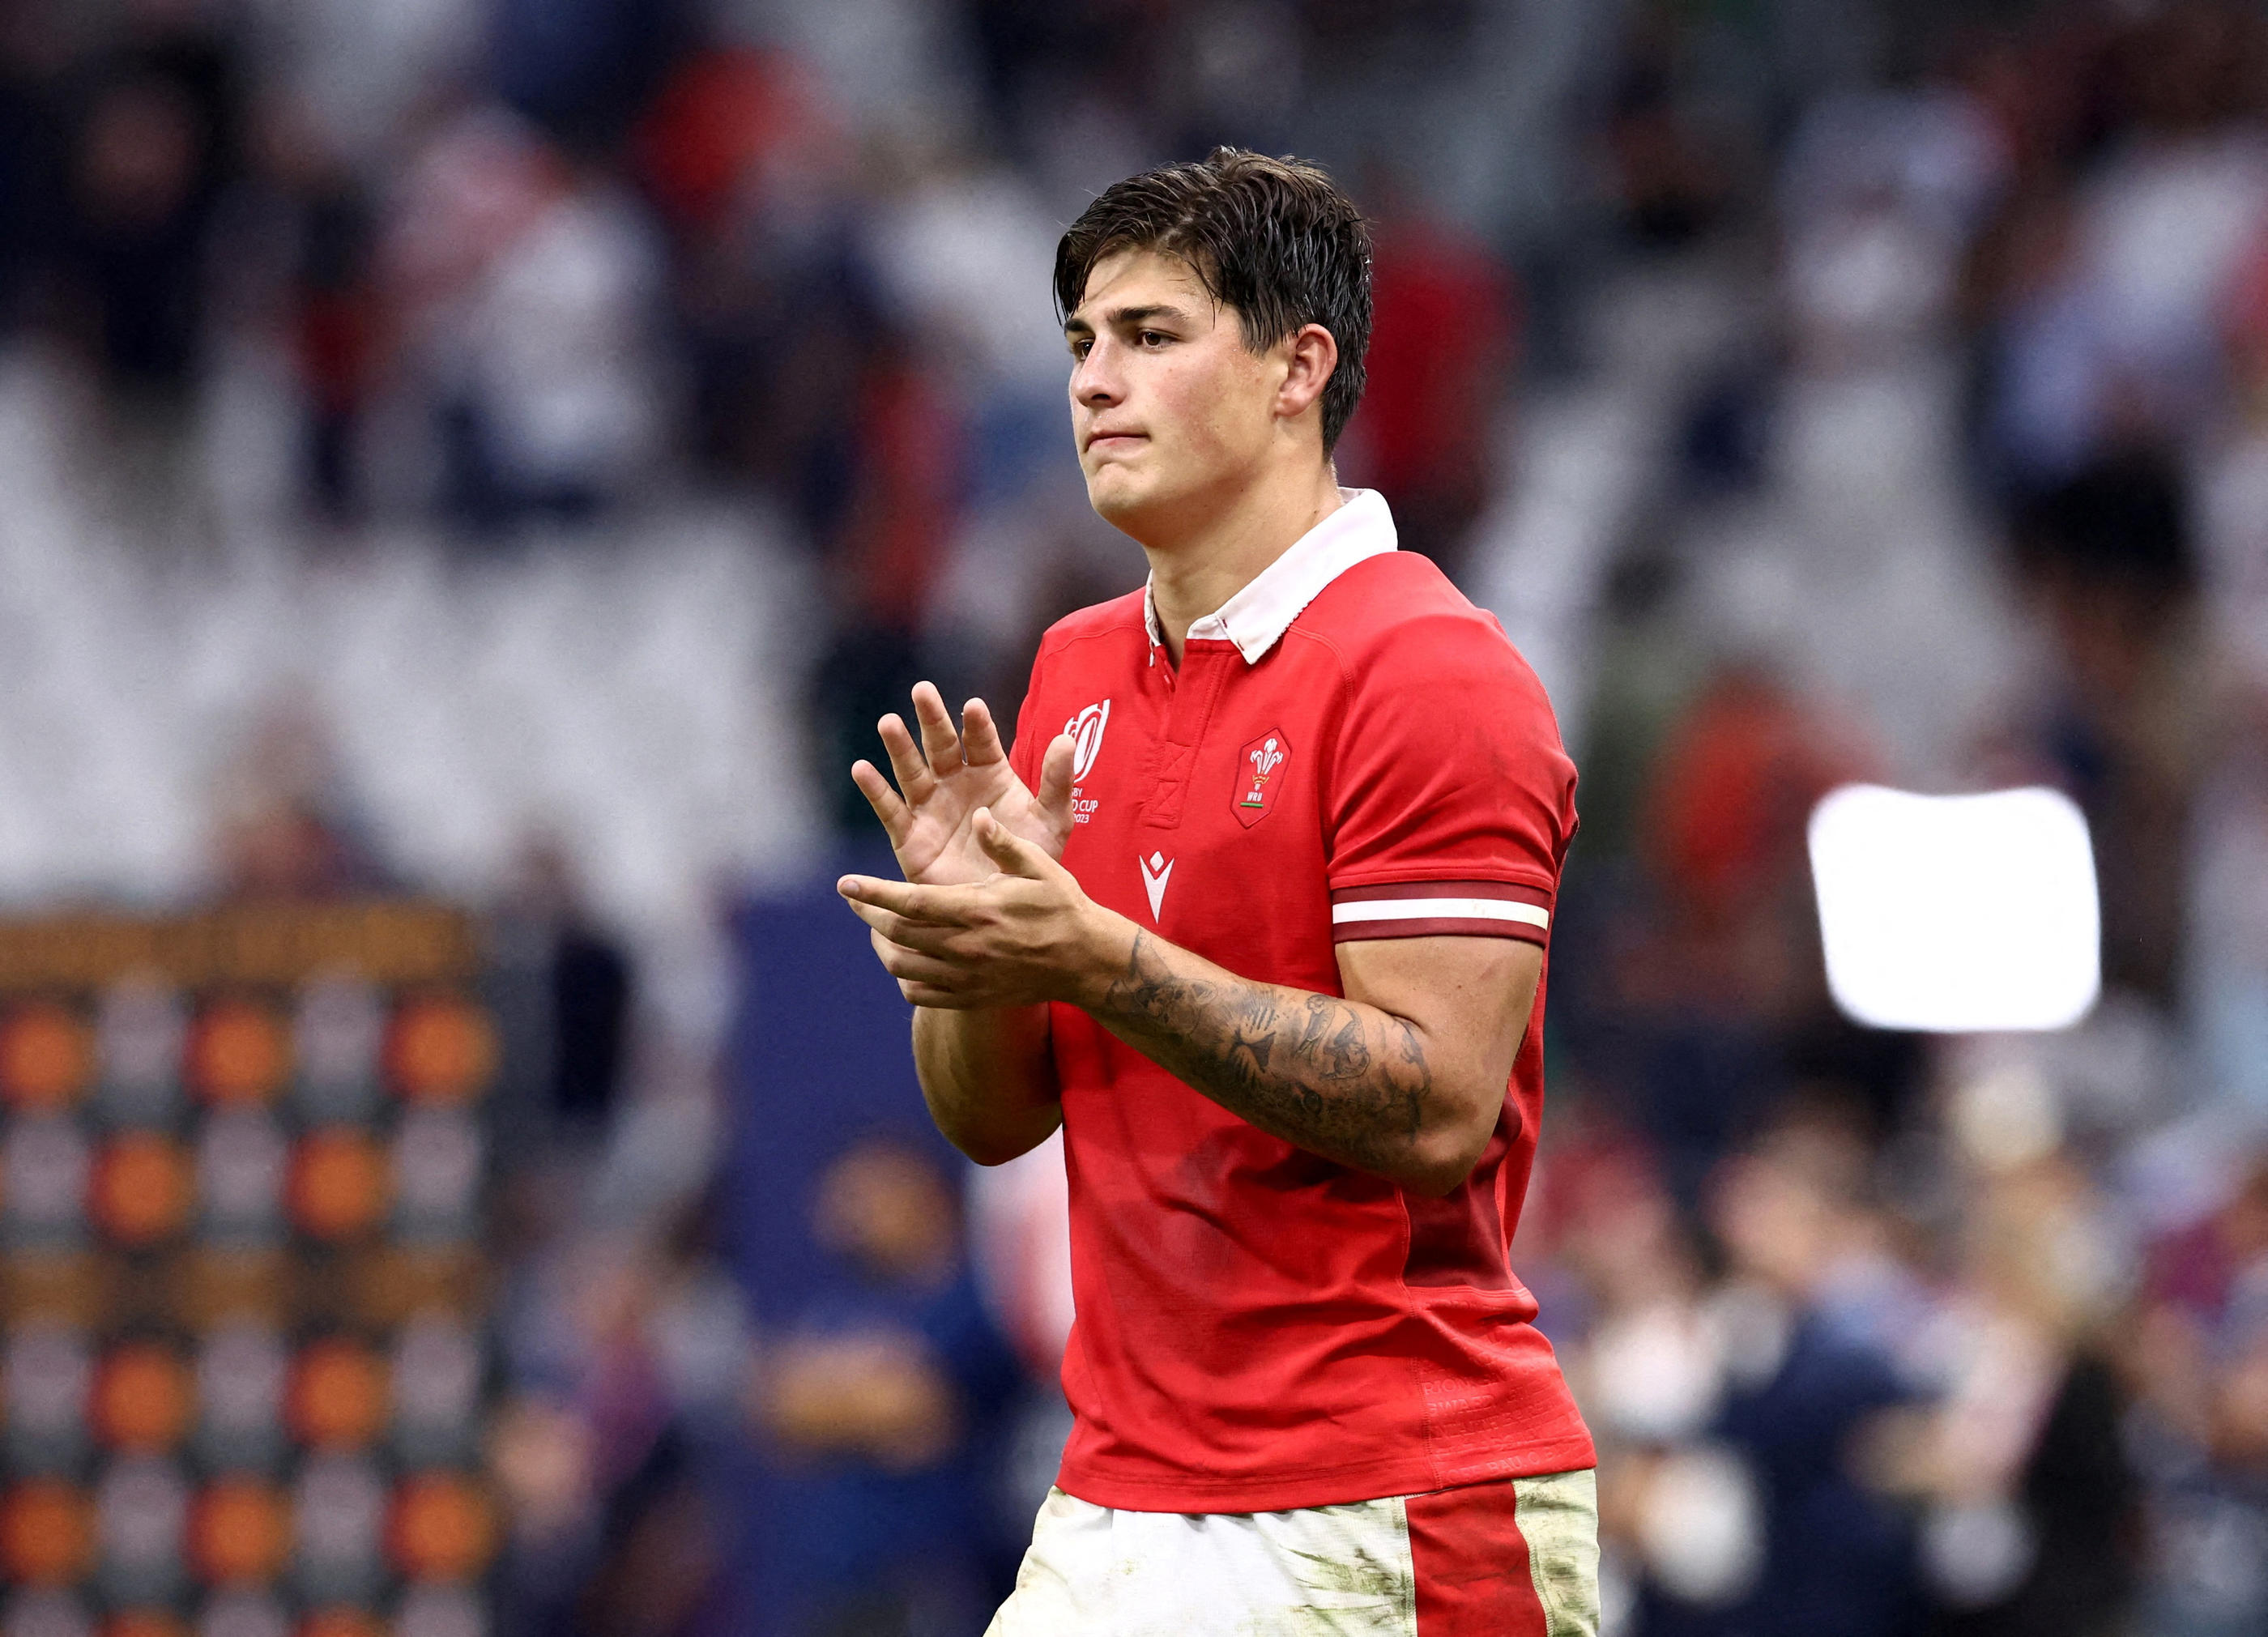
pixel 1404 1078
pixel 987 1076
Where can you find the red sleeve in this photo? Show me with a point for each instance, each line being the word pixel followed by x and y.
pixel 1450 803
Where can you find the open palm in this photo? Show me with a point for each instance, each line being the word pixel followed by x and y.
pixel 945 779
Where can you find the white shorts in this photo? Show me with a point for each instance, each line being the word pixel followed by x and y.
pixel 1516 1558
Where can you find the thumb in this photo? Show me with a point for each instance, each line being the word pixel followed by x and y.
pixel 1014 855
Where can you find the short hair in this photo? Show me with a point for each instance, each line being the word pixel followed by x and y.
pixel 1274 238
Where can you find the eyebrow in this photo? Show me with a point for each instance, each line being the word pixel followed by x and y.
pixel 1123 317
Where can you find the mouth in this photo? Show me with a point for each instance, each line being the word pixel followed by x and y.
pixel 1105 443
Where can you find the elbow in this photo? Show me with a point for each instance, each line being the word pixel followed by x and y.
pixel 996 1142
pixel 990 1154
pixel 1444 1155
pixel 1438 1173
pixel 980 1146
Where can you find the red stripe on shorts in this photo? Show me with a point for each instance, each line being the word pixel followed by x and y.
pixel 1472 1564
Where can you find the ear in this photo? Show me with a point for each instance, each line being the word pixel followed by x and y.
pixel 1313 356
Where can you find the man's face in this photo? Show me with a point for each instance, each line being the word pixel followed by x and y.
pixel 1170 410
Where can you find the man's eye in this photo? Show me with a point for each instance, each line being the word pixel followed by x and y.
pixel 1080 349
pixel 1154 338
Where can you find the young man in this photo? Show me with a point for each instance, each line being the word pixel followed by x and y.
pixel 1262 930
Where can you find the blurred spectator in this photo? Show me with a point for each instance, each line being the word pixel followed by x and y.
pixel 2109 557
pixel 963 254
pixel 2226 957
pixel 1732 789
pixel 583 70
pixel 1667 173
pixel 527 290
pixel 887 1405
pixel 1880 195
pixel 1801 1382
pixel 335 321
pixel 897 516
pixel 1709 997
pixel 2114 283
pixel 573 985
pixel 1444 339
pixel 629 1364
pixel 30 161
pixel 285 827
pixel 745 160
pixel 2196 1357
pixel 1034 58
pixel 2031 1504
pixel 156 139
pixel 1731 1410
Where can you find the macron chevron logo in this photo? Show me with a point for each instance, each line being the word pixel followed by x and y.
pixel 1157 870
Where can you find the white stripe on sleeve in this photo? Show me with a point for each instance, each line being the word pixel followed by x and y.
pixel 1440 909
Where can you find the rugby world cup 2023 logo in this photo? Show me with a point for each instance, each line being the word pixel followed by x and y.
pixel 1086 730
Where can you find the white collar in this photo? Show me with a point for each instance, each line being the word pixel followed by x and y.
pixel 1257 618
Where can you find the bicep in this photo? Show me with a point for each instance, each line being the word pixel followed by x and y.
pixel 1470 998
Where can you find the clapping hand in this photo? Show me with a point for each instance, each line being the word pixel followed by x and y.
pixel 988 915
pixel 947 779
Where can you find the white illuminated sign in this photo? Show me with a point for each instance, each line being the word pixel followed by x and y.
pixel 1957 914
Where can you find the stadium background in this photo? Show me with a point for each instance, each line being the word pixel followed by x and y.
pixel 471 471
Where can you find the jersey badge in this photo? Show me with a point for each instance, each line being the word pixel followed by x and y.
pixel 1260 774
pixel 1157 870
pixel 1086 730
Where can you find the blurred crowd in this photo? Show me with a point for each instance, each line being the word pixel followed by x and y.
pixel 1885 1334
pixel 527 269
pixel 1932 342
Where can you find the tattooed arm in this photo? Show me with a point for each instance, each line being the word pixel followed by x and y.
pixel 1404 1078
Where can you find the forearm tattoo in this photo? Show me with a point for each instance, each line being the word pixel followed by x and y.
pixel 1343 1080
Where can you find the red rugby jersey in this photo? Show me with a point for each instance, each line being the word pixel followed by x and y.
pixel 1348 749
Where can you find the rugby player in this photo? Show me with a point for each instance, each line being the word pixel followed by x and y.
pixel 1256 912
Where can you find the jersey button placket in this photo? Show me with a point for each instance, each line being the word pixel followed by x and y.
pixel 1206 669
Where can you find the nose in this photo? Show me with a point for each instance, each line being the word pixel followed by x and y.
pixel 1094 380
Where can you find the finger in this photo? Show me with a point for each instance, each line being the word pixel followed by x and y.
pixel 886 952
pixel 1055 782
pixel 938 999
pixel 882 946
pixel 910 966
pixel 980 735
pixel 1014 855
pixel 906 761
pixel 939 906
pixel 922 935
pixel 889 807
pixel 939 742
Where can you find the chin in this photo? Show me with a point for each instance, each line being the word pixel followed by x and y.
pixel 1114 495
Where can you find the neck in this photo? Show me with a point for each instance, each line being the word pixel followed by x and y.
pixel 1193 570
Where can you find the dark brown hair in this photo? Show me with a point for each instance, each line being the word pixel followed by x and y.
pixel 1274 238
